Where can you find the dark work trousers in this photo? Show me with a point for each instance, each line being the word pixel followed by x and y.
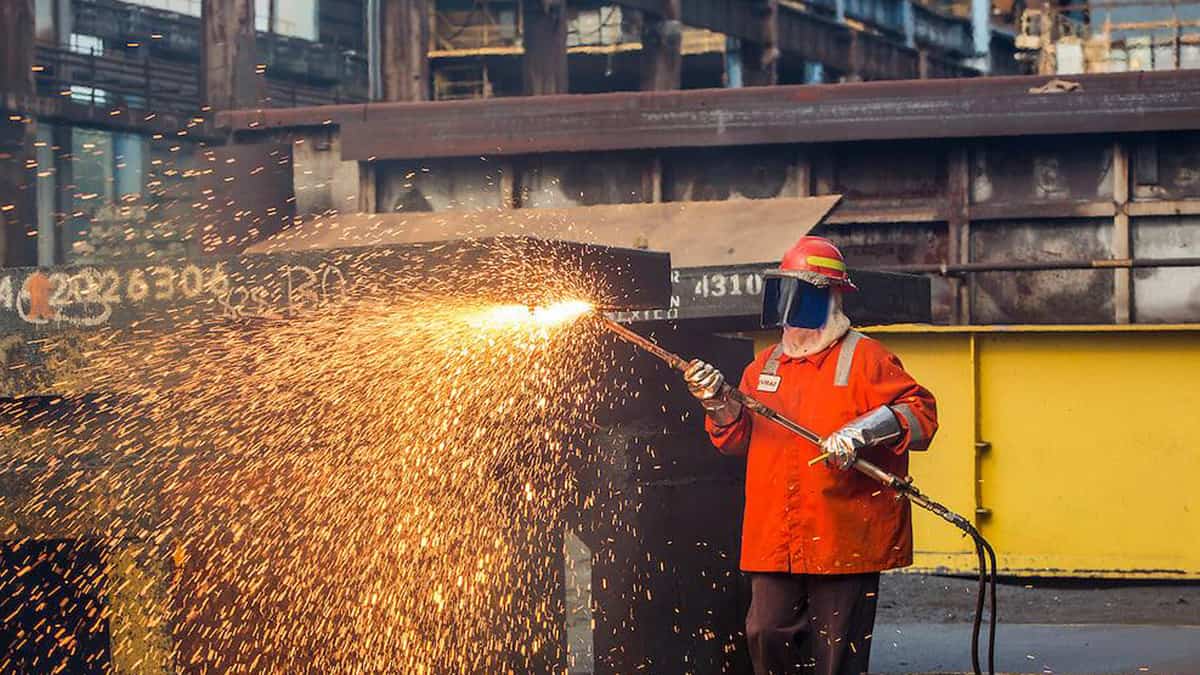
pixel 813 624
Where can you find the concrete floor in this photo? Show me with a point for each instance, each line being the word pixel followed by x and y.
pixel 1040 648
pixel 1046 626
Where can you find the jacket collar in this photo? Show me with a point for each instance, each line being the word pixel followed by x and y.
pixel 817 359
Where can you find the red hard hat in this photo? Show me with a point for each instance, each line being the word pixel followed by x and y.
pixel 817 261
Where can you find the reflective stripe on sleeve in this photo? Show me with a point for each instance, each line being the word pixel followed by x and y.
pixel 915 433
pixel 841 376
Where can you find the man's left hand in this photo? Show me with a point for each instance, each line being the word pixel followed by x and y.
pixel 876 427
pixel 841 449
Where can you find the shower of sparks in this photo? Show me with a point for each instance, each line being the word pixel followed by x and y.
pixel 374 486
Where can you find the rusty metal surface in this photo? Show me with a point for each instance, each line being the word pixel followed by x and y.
pixel 895 172
pixel 887 245
pixel 1041 170
pixel 666 511
pixel 436 185
pixel 964 108
pixel 162 295
pixel 696 233
pixel 1167 166
pixel 558 181
pixel 1044 265
pixel 715 174
pixel 1057 296
pixel 248 191
pixel 729 298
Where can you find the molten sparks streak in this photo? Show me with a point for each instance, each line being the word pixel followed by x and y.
pixel 372 487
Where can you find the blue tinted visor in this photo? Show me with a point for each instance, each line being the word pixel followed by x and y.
pixel 791 302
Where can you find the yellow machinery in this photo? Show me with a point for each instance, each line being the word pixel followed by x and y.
pixel 1074 446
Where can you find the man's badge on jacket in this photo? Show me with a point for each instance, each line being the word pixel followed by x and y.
pixel 768 383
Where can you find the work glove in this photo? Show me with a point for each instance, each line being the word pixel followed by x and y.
pixel 874 428
pixel 703 380
pixel 708 385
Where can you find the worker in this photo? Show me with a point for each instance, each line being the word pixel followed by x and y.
pixel 815 538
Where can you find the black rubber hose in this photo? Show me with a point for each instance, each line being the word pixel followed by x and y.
pixel 992 625
pixel 977 623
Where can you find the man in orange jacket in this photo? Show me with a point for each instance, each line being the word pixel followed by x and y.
pixel 815 538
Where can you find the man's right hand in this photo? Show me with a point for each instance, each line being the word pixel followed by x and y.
pixel 708 384
pixel 703 380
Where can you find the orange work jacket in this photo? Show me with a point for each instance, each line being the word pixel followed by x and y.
pixel 816 519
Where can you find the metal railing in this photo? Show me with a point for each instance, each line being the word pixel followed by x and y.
pixel 104 81
pixel 157 85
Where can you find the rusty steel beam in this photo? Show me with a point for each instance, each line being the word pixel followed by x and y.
pixel 952 269
pixel 167 294
pixel 965 108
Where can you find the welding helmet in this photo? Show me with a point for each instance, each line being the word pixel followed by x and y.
pixel 796 294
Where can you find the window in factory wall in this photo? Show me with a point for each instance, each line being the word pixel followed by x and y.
pixel 126 197
pixel 44 20
pixel 294 18
pixel 1166 294
pixel 577 587
pixel 189 7
pixel 93 183
pixel 88 45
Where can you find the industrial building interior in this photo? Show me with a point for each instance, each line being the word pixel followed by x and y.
pixel 212 210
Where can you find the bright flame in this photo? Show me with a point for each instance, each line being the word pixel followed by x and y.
pixel 544 316
pixel 561 312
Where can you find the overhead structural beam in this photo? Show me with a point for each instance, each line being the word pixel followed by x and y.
pixel 971 108
pixel 544 37
pixel 807 36
pixel 403 49
pixel 662 48
pixel 230 75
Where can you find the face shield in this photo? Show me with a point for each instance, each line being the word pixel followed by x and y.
pixel 788 301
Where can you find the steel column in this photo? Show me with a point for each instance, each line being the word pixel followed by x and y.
pixel 229 77
pixel 1121 238
pixel 18 211
pixel 662 39
pixel 403 59
pixel 544 66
